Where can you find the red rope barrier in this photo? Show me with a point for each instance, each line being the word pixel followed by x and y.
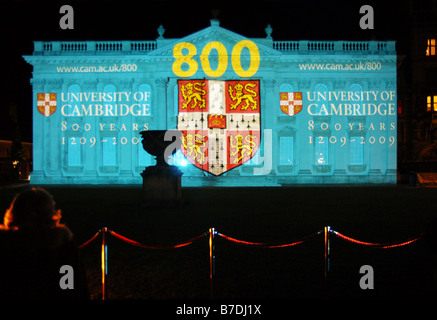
pixel 138 244
pixel 378 245
pixel 258 244
pixel 211 234
pixel 90 240
pixel 264 245
pixel 400 244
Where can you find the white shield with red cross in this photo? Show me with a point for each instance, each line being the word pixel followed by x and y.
pixel 46 103
pixel 290 102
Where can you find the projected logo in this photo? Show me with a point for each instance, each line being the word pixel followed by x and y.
pixel 290 102
pixel 220 121
pixel 46 103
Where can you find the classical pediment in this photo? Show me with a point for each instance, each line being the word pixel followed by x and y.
pixel 214 33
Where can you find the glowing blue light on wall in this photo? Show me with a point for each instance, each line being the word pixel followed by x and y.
pixel 179 159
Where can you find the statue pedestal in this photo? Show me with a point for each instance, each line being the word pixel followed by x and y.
pixel 162 186
pixel 162 182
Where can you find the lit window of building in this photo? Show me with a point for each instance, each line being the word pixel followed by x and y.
pixel 357 150
pixel 430 48
pixel 109 152
pixel 286 150
pixel 431 103
pixel 74 152
pixel 322 150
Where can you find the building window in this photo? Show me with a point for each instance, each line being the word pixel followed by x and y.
pixel 109 153
pixel 74 152
pixel 357 150
pixel 146 98
pixel 430 48
pixel 286 151
pixel 356 87
pixel 322 150
pixel 431 103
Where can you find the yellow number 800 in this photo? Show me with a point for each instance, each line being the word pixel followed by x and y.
pixel 222 59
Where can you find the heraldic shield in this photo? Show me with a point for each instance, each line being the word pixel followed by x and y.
pixel 220 122
pixel 291 102
pixel 46 103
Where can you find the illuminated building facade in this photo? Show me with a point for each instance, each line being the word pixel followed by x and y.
pixel 253 112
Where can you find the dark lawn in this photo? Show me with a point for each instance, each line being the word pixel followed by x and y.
pixel 267 215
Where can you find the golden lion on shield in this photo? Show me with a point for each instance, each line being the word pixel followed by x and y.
pixel 190 95
pixel 194 143
pixel 241 147
pixel 240 97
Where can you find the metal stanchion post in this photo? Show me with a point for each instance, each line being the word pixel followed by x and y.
pixel 211 260
pixel 104 262
pixel 327 249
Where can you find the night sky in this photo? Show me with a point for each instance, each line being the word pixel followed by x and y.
pixel 26 21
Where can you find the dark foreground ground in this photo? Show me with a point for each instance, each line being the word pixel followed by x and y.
pixel 267 215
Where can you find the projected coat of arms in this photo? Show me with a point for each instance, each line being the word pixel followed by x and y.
pixel 291 102
pixel 46 103
pixel 220 122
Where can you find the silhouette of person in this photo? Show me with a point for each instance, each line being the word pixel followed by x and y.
pixel 34 245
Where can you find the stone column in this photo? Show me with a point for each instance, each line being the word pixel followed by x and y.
pixel 160 109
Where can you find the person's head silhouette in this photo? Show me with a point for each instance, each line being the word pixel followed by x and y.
pixel 33 208
pixel 34 245
pixel 33 211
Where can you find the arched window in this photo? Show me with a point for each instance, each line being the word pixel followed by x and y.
pixel 286 87
pixel 356 145
pixel 74 149
pixel 286 150
pixel 145 95
pixel 109 142
pixel 73 90
pixel 321 142
pixel 322 150
pixel 356 87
